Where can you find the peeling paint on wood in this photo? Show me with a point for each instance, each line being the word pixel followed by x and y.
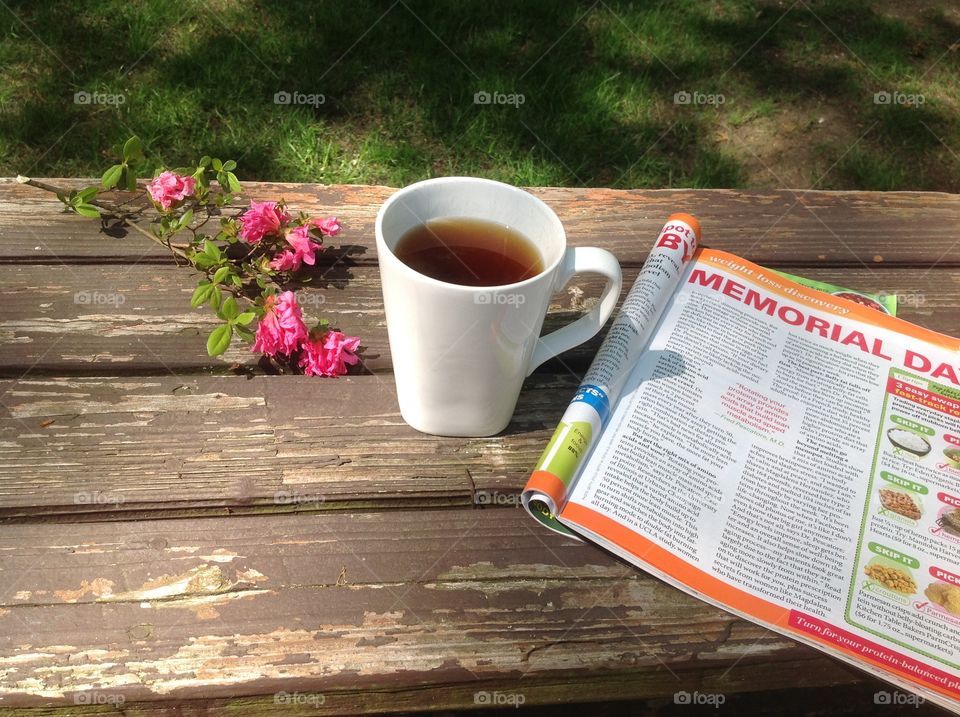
pixel 100 587
pixel 141 403
pixel 315 567
pixel 324 603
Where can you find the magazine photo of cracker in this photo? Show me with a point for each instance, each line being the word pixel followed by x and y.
pixel 945 595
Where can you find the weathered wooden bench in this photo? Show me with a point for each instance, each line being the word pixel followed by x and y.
pixel 177 533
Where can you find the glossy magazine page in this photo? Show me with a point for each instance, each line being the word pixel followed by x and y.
pixel 793 457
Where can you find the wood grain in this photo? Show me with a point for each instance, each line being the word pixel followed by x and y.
pixel 180 540
pixel 88 319
pixel 91 448
pixel 776 227
pixel 361 609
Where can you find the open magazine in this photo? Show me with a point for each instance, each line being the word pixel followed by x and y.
pixel 787 454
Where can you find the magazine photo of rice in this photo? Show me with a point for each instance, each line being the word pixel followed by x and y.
pixel 908 441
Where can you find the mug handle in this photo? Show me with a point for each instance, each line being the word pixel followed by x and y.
pixel 581 260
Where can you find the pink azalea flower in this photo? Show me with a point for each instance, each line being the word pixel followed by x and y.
pixel 285 261
pixel 328 354
pixel 304 250
pixel 281 329
pixel 169 189
pixel 261 219
pixel 328 225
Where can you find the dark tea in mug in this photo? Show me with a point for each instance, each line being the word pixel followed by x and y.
pixel 471 252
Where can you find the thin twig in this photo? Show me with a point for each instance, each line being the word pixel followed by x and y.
pixel 112 211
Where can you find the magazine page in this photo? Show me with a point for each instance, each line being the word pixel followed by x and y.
pixel 631 330
pixel 887 303
pixel 621 349
pixel 793 457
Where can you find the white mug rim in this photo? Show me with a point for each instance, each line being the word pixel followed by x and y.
pixel 386 251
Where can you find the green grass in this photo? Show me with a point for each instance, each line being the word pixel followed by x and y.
pixel 399 79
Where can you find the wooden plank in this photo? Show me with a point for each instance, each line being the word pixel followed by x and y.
pixel 548 699
pixel 797 227
pixel 100 448
pixel 397 611
pixel 78 318
pixel 92 319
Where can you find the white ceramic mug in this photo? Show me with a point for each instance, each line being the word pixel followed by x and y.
pixel 460 353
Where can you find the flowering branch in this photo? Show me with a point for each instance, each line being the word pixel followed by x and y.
pixel 105 209
pixel 252 256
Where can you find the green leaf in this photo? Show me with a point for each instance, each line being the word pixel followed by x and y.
pixel 215 297
pixel 221 274
pixel 219 340
pixel 244 333
pixel 245 318
pixel 132 149
pixel 202 261
pixel 201 294
pixel 112 176
pixel 217 164
pixel 237 281
pixel 229 310
pixel 130 179
pixel 212 250
pixel 233 184
pixel 185 219
pixel 229 164
pixel 87 210
pixel 204 162
pixel 87 193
